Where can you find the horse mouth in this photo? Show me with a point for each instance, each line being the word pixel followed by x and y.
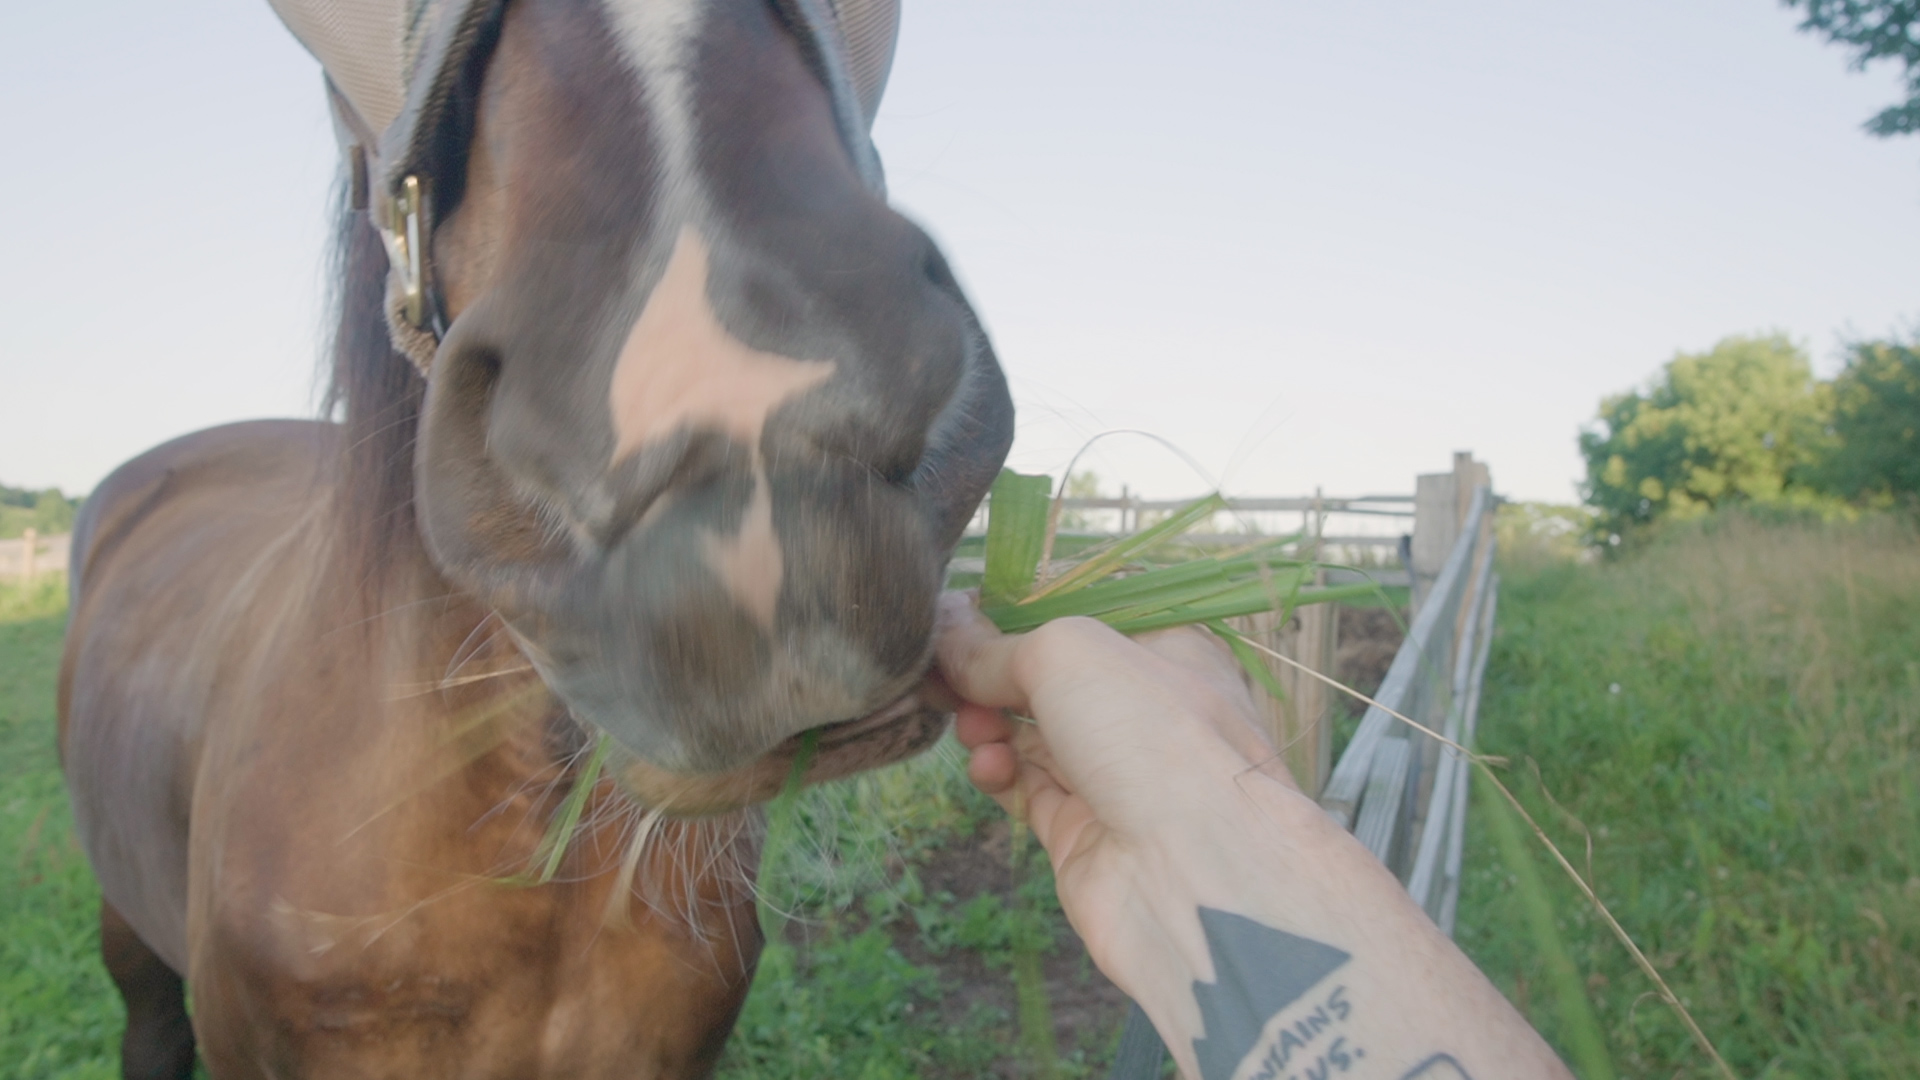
pixel 904 727
pixel 828 738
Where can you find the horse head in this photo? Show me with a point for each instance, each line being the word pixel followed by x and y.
pixel 703 416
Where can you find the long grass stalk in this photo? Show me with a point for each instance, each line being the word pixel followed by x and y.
pixel 1099 565
pixel 558 837
pixel 1029 980
pixel 1586 1044
pixel 562 830
pixel 782 819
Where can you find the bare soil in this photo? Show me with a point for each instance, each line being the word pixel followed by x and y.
pixel 1369 637
pixel 1087 1009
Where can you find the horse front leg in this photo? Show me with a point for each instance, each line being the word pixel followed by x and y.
pixel 158 1044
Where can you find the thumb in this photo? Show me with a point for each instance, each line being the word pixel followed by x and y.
pixel 974 656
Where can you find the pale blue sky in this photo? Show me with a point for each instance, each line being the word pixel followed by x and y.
pixel 1321 242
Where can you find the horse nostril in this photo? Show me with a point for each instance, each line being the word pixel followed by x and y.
pixel 934 267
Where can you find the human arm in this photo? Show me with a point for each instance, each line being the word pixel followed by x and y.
pixel 1260 938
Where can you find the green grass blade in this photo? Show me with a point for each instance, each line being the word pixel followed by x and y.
pixel 1586 1041
pixel 1158 588
pixel 1016 532
pixel 559 836
pixel 782 815
pixel 1268 594
pixel 1251 660
pixel 1242 602
pixel 1123 551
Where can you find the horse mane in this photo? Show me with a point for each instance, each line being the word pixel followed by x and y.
pixel 376 394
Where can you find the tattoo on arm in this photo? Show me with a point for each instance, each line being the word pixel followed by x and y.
pixel 1261 973
pixel 1438 1067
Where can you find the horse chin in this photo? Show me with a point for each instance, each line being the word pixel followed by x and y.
pixel 909 725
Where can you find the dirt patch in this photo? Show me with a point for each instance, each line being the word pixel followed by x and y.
pixel 1369 638
pixel 977 978
pixel 1086 1008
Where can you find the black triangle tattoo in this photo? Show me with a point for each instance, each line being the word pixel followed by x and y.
pixel 1257 971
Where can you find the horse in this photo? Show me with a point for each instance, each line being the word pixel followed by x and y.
pixel 651 430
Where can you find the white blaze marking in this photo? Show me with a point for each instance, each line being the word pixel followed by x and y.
pixel 656 38
pixel 680 368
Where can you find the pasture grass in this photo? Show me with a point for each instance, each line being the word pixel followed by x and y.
pixel 59 1015
pixel 920 939
pixel 1732 715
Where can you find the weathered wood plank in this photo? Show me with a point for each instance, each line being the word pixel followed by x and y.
pixel 1386 785
pixel 1424 640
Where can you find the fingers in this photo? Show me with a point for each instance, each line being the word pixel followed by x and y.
pixel 993 768
pixel 974 656
pixel 1009 671
pixel 1028 792
pixel 975 725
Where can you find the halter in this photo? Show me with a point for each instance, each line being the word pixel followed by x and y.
pixel 404 77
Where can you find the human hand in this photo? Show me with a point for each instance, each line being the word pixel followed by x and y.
pixel 1133 741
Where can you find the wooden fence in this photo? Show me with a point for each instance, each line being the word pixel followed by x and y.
pixel 1404 793
pixel 31 555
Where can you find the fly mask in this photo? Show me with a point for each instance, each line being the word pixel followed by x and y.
pixel 403 77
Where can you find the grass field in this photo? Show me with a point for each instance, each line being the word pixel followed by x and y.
pixel 58 1013
pixel 1733 714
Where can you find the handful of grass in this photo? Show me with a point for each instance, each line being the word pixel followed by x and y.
pixel 1149 580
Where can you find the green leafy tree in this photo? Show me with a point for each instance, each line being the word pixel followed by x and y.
pixel 1743 422
pixel 1874 30
pixel 1876 425
pixel 47 512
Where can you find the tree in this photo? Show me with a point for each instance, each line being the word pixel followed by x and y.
pixel 1874 30
pixel 1876 425
pixel 1745 421
pixel 47 512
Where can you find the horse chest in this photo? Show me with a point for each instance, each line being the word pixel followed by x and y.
pixel 473 981
pixel 362 917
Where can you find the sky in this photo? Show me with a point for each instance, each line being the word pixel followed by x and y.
pixel 1308 243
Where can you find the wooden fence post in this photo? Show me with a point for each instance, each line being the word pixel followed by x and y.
pixel 1302 724
pixel 1436 523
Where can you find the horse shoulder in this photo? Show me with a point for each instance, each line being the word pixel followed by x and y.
pixel 154 551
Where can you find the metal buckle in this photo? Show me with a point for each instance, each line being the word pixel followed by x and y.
pixel 401 232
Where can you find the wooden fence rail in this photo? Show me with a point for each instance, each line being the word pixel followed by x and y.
pixel 31 555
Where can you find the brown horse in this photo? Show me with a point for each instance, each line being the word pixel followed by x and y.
pixel 691 423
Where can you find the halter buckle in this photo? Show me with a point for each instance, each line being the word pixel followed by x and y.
pixel 402 233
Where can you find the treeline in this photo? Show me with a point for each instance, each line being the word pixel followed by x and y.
pixel 48 512
pixel 1747 423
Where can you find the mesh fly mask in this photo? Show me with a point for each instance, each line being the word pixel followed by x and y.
pixel 404 76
